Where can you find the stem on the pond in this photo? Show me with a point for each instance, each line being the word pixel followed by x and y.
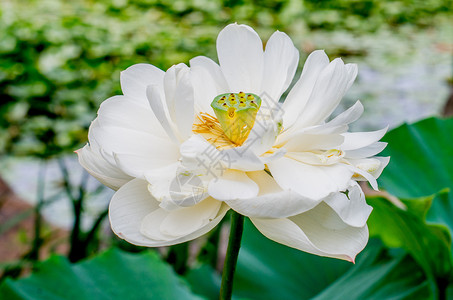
pixel 231 258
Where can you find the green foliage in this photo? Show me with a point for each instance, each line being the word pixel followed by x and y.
pixel 267 270
pixel 421 158
pixel 111 275
pixel 429 245
pixel 421 165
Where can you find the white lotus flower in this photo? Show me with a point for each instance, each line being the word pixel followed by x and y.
pixel 182 147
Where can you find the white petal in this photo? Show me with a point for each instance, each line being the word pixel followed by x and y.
pixel 132 203
pixel 108 174
pixel 348 116
pixel 208 81
pixel 317 159
pixel 368 169
pixel 384 162
pixel 160 180
pixel 300 93
pixel 280 63
pixel 241 158
pixel 262 136
pixel 156 101
pixel 357 140
pixel 352 209
pixel 367 151
pixel 139 165
pixel 176 186
pixel 362 175
pixel 272 201
pixel 241 58
pixel 136 78
pixel 232 185
pixel 179 99
pixel 166 225
pixel 121 140
pixel 329 88
pixel 202 158
pixel 338 125
pixel 352 71
pixel 122 111
pixel 305 142
pixel 318 231
pixel 315 182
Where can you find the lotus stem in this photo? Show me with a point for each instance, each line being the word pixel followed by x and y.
pixel 231 258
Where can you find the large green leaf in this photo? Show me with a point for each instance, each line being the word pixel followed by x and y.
pixel 270 270
pixel 429 244
pixel 380 276
pixel 267 270
pixel 421 164
pixel 421 168
pixel 112 275
pixel 421 158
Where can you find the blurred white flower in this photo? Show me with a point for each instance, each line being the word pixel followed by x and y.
pixel 182 147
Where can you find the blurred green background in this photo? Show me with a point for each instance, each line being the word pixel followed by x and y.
pixel 60 59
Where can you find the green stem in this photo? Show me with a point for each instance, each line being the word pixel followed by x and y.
pixel 231 258
pixel 37 240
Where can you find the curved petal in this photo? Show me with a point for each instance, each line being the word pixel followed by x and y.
pixel 138 144
pixel 138 165
pixel 367 151
pixel 262 136
pixel 208 82
pixel 306 141
pixel 130 217
pixel 232 185
pixel 280 63
pixel 338 125
pixel 241 58
pixel 384 162
pixel 369 169
pixel 318 231
pixel 300 93
pixel 271 201
pixel 315 182
pixel 179 99
pixel 164 225
pixel 176 187
pixel 136 78
pixel 331 85
pixel 357 140
pixel 351 208
pixel 348 116
pixel 241 158
pixel 122 111
pixel 110 175
pixel 156 101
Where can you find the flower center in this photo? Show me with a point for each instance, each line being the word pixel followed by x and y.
pixel 236 113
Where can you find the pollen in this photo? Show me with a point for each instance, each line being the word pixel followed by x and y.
pixel 209 127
